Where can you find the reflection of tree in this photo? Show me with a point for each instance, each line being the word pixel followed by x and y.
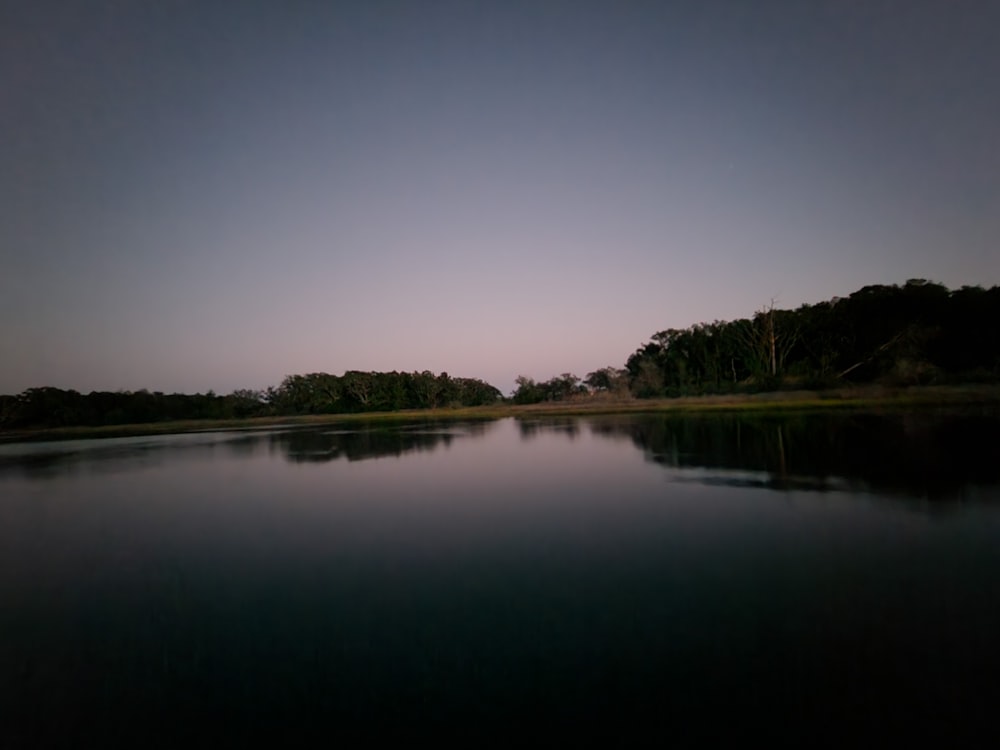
pixel 932 455
pixel 531 428
pixel 46 465
pixel 110 455
pixel 321 445
pixel 353 442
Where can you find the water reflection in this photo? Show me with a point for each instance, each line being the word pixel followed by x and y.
pixel 46 460
pixel 352 442
pixel 531 428
pixel 504 574
pixel 932 455
pixel 320 446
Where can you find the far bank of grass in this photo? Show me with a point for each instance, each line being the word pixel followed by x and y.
pixel 776 402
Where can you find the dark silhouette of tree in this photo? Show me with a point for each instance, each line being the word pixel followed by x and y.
pixel 314 393
pixel 915 334
pixel 918 333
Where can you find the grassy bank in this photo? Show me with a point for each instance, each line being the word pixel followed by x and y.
pixel 873 397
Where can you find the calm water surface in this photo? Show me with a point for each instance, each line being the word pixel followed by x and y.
pixel 805 579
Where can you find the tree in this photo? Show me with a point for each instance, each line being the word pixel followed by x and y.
pixel 648 383
pixel 527 391
pixel 608 380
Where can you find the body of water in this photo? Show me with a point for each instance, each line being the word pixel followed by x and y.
pixel 808 579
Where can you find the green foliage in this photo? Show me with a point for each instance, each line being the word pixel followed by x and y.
pixel 607 380
pixel 357 391
pixel 916 334
pixel 527 391
pixel 560 388
pixel 315 393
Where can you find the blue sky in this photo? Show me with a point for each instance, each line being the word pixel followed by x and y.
pixel 212 195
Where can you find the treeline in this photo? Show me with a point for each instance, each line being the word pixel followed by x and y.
pixel 315 393
pixel 354 391
pixel 920 333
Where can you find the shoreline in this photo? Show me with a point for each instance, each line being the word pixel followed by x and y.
pixel 773 402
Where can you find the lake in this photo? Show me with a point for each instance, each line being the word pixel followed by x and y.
pixel 807 579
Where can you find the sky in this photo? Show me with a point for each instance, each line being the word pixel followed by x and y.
pixel 214 195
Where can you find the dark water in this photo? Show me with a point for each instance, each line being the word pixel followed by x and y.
pixel 811 580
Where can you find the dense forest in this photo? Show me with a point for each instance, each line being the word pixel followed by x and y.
pixel 920 333
pixel 315 393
